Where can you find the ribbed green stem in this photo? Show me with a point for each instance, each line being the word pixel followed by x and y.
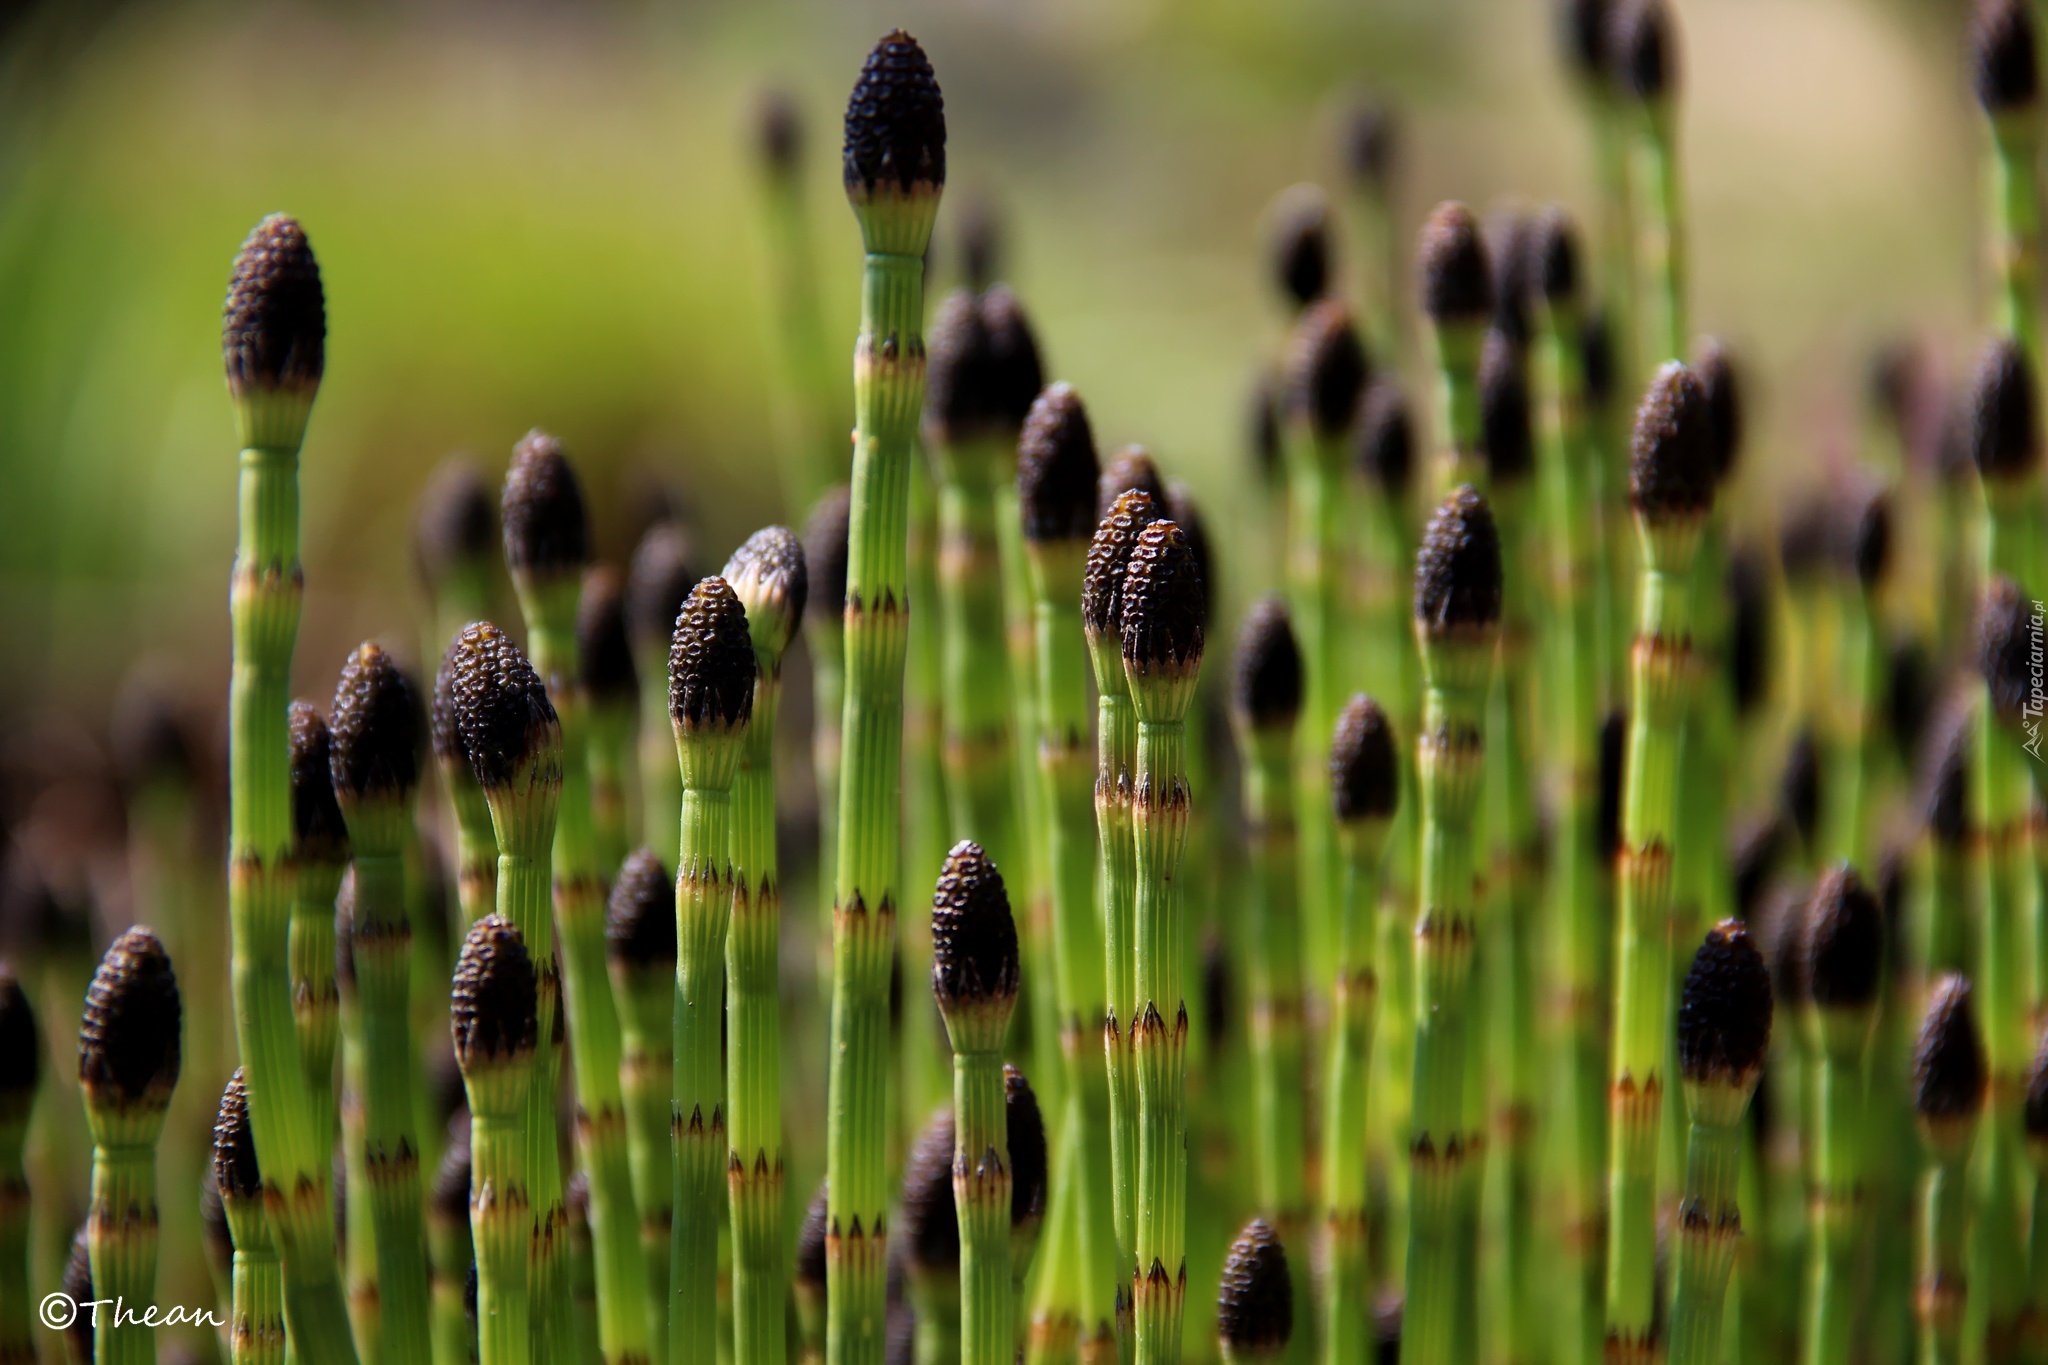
pixel 122 1222
pixel 1444 1149
pixel 1579 888
pixel 1085 1279
pixel 316 1000
pixel 646 995
pixel 1942 1296
pixel 1347 1292
pixel 265 605
pixel 981 1200
pixel 1841 1103
pixel 626 1321
pixel 1709 1229
pixel 258 1326
pixel 614 783
pixel 888 392
pixel 1661 678
pixel 1456 353
pixel 381 947
pixel 1038 1025
pixel 754 1169
pixel 1659 221
pixel 935 1297
pixel 1116 740
pixel 450 1253
pixel 704 898
pixel 661 781
pixel 2016 220
pixel 359 1236
pixel 1853 739
pixel 1159 1029
pixel 1315 577
pixel 476 842
pixel 501 1218
pixel 1382 275
pixel 1274 792
pixel 2002 874
pixel 925 1079
pixel 1615 277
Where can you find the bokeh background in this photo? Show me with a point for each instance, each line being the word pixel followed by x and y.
pixel 551 214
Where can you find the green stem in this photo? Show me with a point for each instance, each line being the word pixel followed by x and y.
pixel 1841 1102
pixel 316 1000
pixel 1659 219
pixel 501 1221
pixel 1347 1321
pixel 704 899
pixel 123 1225
pixel 925 1081
pixel 256 1334
pixel 2016 217
pixel 646 995
pixel 1116 871
pixel 1315 576
pixel 888 393
pixel 661 782
pixel 1943 1294
pixel 450 1254
pixel 981 1199
pixel 811 452
pixel 614 783
pixel 1710 1227
pixel 265 604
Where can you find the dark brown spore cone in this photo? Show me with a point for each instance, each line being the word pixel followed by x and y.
pixel 1949 1068
pixel 1131 467
pixel 457 524
pixel 974 937
pixel 1799 786
pixel 825 549
pixel 1867 538
pixel 1109 552
pixel 1510 248
pixel 711 660
pixel 1715 366
pixel 979 224
pixel 21 1047
pixel 1057 468
pixel 1554 255
pixel 1911 684
pixel 319 834
pixel 1164 600
pixel 2004 425
pixel 1365 768
pixel 1596 360
pixel 2034 1111
pixel 1582 27
pixel 547 529
pixel 640 917
pixel 810 1243
pixel 1255 1302
pixel 1026 1140
pixel 1753 853
pixel 1326 369
pixel 1262 425
pixel 1458 568
pixel 78 1287
pixel 957 375
pixel 1724 1011
pixel 376 728
pixel 128 1042
pixel 1944 780
pixel 274 327
pixel 1613 775
pixel 1457 279
pixel 1015 372
pixel 1644 50
pixel 501 707
pixel 604 652
pixel 148 733
pixel 1505 438
pixel 895 120
pixel 779 133
pixel 1672 453
pixel 770 567
pixel 658 583
pixel 2003 63
pixel 2006 638
pixel 1750 605
pixel 492 1009
pixel 1384 449
pixel 1370 136
pixel 931 1230
pixel 1185 512
pixel 1300 248
pixel 448 1195
pixel 1266 681
pixel 1844 943
pixel 234 1143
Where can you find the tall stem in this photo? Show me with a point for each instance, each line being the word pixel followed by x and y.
pixel 704 898
pixel 981 1198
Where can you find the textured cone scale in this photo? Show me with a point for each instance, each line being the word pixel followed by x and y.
pixel 492 1009
pixel 547 530
pixel 274 326
pixel 1109 552
pixel 1365 765
pixel 1266 677
pixel 319 834
pixel 1130 468
pixel 1672 455
pixel 1255 1301
pixel 974 936
pixel 1458 568
pixel 895 120
pixel 711 660
pixel 502 711
pixel 770 577
pixel 1057 468
pixel 128 1041
pixel 375 727
pixel 1165 600
pixel 234 1143
pixel 1724 1010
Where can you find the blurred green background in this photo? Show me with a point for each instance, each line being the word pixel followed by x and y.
pixel 548 214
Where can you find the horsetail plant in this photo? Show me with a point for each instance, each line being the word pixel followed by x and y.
pixel 273 340
pixel 711 702
pixel 1325 373
pixel 451 1254
pixel 930 1234
pixel 80 1336
pixel 1949 1082
pixel 1298 245
pixel 1671 489
pixel 1644 52
pixel 320 854
pixel 640 939
pixel 1370 143
pixel 513 738
pixel 1030 1173
pixel 1585 27
pixel 2004 70
pixel 476 841
pixel 256 1324
pixel 1457 296
pixel 1265 708
pixel 374 760
pixel 547 546
pixel 657 585
pixel 128 1056
pixel 494 1016
pixel 1365 786
pixel 2034 1120
pixel 1724 1032
pixel 1056 472
pixel 1161 632
pixel 21 1065
pixel 611 690
pixel 808 1282
pixel 582 1266
pixel 824 623
pixel 1255 1300
pixel 1458 579
pixel 895 168
pixel 811 450
pixel 455 546
pixel 769 577
pixel 975 977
